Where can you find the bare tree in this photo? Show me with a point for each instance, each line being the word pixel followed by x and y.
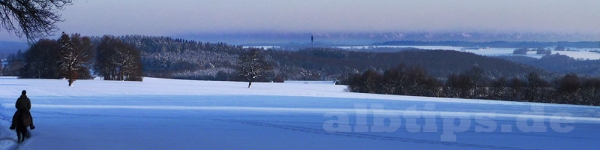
pixel 116 60
pixel 31 18
pixel 75 54
pixel 41 60
pixel 535 85
pixel 253 65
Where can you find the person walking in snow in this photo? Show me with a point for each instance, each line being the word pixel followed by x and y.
pixel 23 105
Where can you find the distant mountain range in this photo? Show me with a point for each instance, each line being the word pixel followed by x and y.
pixel 363 38
pixel 367 38
pixel 298 40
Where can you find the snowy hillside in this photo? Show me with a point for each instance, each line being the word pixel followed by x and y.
pixel 183 114
pixel 576 53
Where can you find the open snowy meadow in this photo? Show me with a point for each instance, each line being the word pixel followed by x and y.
pixel 185 114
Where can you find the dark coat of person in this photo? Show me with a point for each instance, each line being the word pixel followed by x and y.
pixel 23 103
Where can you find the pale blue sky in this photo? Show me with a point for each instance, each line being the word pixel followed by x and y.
pixel 173 17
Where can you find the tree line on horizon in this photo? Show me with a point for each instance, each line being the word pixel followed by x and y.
pixel 474 84
pixel 167 57
pixel 75 57
pixel 560 63
pixel 118 58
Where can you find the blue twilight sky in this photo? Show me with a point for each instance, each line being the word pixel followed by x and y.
pixel 176 17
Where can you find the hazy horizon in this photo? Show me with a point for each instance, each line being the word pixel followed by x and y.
pixel 171 18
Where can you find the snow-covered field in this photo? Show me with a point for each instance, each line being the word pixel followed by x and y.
pixel 183 114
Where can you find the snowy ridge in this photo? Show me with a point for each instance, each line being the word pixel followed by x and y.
pixel 156 86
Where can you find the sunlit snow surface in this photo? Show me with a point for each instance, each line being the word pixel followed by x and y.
pixel 182 114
